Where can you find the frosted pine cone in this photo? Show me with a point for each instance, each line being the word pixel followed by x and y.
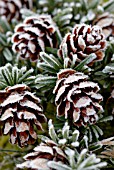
pixel 20 110
pixel 31 37
pixel 77 98
pixel 83 41
pixel 42 154
pixel 106 22
pixel 10 9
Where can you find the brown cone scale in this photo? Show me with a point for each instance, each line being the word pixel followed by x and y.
pixel 77 99
pixel 20 111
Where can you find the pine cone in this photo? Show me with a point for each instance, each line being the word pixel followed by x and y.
pixel 83 41
pixel 31 37
pixel 42 154
pixel 76 98
pixel 106 22
pixel 10 9
pixel 20 110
